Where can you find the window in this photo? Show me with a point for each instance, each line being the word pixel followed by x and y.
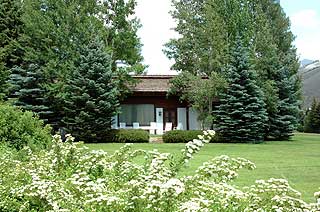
pixel 142 113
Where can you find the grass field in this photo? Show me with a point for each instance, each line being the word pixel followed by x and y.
pixel 298 160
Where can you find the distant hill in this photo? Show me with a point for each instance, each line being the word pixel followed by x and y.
pixel 310 82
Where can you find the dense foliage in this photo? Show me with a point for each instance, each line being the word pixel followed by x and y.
pixel 19 129
pixel 28 92
pixel 312 119
pixel 10 34
pixel 285 120
pixel 199 92
pixel 208 30
pixel 127 136
pixel 47 50
pixel 180 136
pixel 91 96
pixel 241 115
pixel 69 177
pixel 50 35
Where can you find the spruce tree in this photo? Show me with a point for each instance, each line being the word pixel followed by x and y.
pixel 285 120
pixel 91 94
pixel 312 119
pixel 317 119
pixel 241 115
pixel 207 31
pixel 54 30
pixel 10 33
pixel 27 90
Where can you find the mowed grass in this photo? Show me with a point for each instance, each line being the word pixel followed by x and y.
pixel 297 160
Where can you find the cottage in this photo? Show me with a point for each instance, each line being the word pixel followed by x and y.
pixel 149 107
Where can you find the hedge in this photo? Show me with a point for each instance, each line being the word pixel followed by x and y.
pixel 127 136
pixel 181 136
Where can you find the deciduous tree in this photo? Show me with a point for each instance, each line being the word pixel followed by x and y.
pixel 200 92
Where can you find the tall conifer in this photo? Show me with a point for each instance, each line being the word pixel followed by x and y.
pixel 28 92
pixel 241 115
pixel 312 119
pixel 91 94
pixel 10 32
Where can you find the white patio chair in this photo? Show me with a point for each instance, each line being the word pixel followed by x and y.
pixel 159 128
pixel 136 125
pixel 168 126
pixel 153 127
pixel 122 125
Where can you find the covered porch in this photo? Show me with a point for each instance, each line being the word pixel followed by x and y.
pixel 150 108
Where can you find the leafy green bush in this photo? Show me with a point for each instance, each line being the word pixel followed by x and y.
pixel 70 177
pixel 19 129
pixel 127 136
pixel 181 136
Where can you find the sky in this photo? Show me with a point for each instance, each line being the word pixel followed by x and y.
pixel 157 29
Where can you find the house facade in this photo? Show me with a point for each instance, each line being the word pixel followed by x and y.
pixel 149 107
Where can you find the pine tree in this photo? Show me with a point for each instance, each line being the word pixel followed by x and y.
pixel 27 91
pixel 207 31
pixel 278 69
pixel 317 130
pixel 91 94
pixel 285 120
pixel 10 33
pixel 312 119
pixel 54 30
pixel 241 115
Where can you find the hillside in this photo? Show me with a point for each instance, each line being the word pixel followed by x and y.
pixel 310 82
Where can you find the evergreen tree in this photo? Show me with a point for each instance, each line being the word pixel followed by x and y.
pixel 207 32
pixel 286 118
pixel 10 33
pixel 56 29
pixel 27 90
pixel 4 73
pixel 317 130
pixel 241 115
pixel 312 119
pixel 91 94
pixel 277 63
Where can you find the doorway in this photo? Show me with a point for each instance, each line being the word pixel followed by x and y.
pixel 170 115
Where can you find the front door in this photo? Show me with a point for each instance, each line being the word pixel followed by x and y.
pixel 170 115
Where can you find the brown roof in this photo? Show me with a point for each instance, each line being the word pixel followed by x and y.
pixel 152 83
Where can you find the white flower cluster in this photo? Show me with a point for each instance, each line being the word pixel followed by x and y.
pixel 224 168
pixel 192 147
pixel 70 177
pixel 317 195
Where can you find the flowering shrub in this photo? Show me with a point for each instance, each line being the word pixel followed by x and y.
pixel 70 177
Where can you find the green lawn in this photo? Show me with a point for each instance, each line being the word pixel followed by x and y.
pixel 297 161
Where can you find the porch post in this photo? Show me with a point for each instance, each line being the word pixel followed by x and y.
pixel 159 120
